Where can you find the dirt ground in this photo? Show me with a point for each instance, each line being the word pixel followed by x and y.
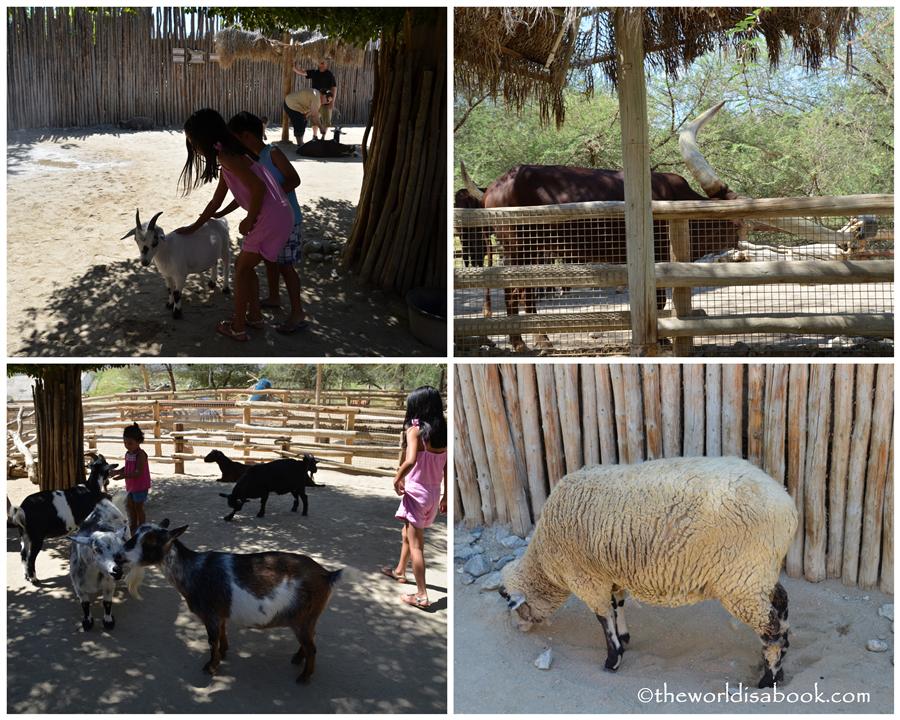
pixel 375 654
pixel 75 288
pixel 691 649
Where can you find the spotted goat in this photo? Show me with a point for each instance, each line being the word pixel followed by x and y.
pixel 54 513
pixel 260 590
pixel 93 566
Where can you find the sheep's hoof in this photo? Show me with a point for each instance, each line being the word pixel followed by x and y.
pixel 109 625
pixel 226 290
pixel 260 514
pixel 176 313
pixel 768 681
pixel 612 662
pixel 303 513
pixel 87 624
pixel 227 518
pixel 625 639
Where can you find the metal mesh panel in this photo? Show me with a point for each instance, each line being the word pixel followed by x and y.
pixel 553 280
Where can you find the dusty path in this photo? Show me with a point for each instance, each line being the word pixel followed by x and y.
pixel 374 653
pixel 691 649
pixel 75 288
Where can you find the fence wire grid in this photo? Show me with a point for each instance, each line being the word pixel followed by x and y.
pixel 554 281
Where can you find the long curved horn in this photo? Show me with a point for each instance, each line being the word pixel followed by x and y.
pixel 137 218
pixel 152 223
pixel 470 185
pixel 702 171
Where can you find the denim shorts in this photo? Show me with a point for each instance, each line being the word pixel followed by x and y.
pixel 139 497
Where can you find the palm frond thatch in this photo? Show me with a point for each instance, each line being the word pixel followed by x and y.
pixel 522 54
pixel 235 44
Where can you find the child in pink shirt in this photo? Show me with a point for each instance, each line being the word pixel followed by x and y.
pixel 137 476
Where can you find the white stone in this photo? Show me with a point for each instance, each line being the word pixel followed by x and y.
pixel 887 611
pixel 544 660
pixel 876 646
pixel 490 582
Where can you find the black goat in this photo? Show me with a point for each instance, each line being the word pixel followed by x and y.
pixel 279 477
pixel 52 513
pixel 231 469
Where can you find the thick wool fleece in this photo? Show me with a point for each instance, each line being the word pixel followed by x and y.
pixel 672 532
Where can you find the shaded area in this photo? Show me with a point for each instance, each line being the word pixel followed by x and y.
pixel 370 645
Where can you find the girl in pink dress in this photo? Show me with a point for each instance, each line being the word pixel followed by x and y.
pixel 137 476
pixel 210 148
pixel 422 472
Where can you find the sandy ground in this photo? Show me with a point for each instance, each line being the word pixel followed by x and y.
pixel 375 654
pixel 692 649
pixel 75 288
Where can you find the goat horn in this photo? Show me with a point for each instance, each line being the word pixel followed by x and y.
pixel 152 223
pixel 137 218
pixel 700 168
pixel 470 185
pixel 128 234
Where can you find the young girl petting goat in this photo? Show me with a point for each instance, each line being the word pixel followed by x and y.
pixel 422 471
pixel 211 147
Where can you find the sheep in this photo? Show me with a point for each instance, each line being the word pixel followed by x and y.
pixel 671 532
pixel 52 513
pixel 231 469
pixel 279 477
pixel 262 590
pixel 92 564
pixel 176 256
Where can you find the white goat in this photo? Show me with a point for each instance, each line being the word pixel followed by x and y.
pixel 176 256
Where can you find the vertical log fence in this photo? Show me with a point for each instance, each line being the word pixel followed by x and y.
pixel 823 430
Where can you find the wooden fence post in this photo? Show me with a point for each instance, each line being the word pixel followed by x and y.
pixel 569 415
pixel 248 416
pixel 156 429
pixel 837 472
pixel 756 378
pixel 652 411
pixel 680 239
pixel 713 409
pixel 886 584
pixel 553 447
pixel 529 406
pixel 465 385
pixel 606 418
pixel 733 410
pixel 694 412
pixel 632 94
pixel 773 439
pixel 589 430
pixel 856 472
pixel 349 424
pixel 798 382
pixel 670 376
pixel 819 415
pixel 179 448
pixel 876 476
pixel 465 474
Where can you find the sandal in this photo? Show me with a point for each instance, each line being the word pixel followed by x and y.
pixel 388 571
pixel 224 327
pixel 289 328
pixel 416 601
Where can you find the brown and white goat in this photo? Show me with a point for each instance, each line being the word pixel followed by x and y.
pixel 261 590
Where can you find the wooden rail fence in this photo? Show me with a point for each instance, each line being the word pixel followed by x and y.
pixel 74 67
pixel 823 430
pixel 184 426
pixel 685 322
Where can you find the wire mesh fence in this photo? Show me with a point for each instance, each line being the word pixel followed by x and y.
pixel 815 279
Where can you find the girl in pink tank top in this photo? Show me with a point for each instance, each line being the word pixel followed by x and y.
pixel 211 147
pixel 137 476
pixel 419 481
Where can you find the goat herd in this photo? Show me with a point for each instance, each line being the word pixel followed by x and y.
pixel 262 590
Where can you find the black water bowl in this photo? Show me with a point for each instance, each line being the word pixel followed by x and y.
pixel 428 317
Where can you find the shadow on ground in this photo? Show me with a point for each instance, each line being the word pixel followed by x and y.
pixel 374 653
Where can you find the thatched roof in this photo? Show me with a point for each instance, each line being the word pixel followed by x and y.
pixel 509 52
pixel 234 44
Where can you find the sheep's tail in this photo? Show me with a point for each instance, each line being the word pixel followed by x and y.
pixel 133 581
